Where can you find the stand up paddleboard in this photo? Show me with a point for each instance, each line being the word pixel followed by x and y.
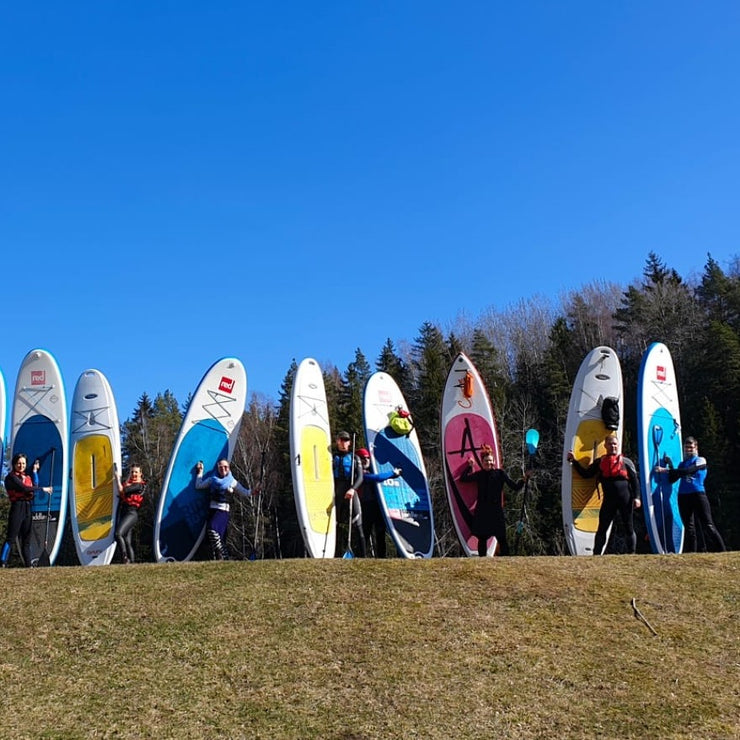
pixel 659 434
pixel 208 432
pixel 311 462
pixel 39 431
pixel 599 377
pixel 95 444
pixel 405 500
pixel 467 423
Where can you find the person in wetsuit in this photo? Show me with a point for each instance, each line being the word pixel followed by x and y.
pixel 692 496
pixel 348 477
pixel 131 497
pixel 220 488
pixel 20 487
pixel 621 490
pixel 373 521
pixel 488 517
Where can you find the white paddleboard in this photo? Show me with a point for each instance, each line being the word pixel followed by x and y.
pixel 599 377
pixel 659 434
pixel 311 461
pixel 467 423
pixel 95 451
pixel 405 501
pixel 39 430
pixel 208 432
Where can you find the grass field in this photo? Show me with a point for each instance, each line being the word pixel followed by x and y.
pixel 443 648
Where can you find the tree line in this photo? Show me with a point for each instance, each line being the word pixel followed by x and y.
pixel 528 356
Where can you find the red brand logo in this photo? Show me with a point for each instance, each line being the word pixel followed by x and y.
pixel 660 373
pixel 226 385
pixel 38 377
pixel 384 396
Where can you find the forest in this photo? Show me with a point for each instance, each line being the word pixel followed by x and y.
pixel 528 356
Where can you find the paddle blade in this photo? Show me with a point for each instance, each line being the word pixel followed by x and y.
pixel 44 561
pixel 348 556
pixel 532 438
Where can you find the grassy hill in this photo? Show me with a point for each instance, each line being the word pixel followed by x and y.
pixel 444 648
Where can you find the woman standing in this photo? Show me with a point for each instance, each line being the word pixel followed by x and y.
pixel 20 488
pixel 220 488
pixel 131 495
pixel 488 517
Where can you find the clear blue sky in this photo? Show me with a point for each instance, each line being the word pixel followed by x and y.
pixel 186 180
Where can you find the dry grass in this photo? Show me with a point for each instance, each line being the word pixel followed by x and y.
pixel 518 647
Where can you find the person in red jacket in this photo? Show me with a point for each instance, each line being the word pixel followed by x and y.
pixel 131 497
pixel 20 488
pixel 621 489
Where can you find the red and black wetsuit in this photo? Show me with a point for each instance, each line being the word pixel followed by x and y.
pixel 20 490
pixel 132 497
pixel 620 486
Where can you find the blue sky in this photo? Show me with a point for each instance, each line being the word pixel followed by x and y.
pixel 182 181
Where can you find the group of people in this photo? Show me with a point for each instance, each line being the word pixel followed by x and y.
pixel 621 493
pixel 21 485
pixel 356 502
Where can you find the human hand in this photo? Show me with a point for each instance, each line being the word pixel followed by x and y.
pixel 397 472
pixel 350 493
pixel 637 503
pixel 199 467
pixel 569 457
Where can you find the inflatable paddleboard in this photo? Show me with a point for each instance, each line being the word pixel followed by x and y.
pixel 599 377
pixel 39 431
pixel 405 501
pixel 208 432
pixel 311 461
pixel 95 451
pixel 467 423
pixel 659 434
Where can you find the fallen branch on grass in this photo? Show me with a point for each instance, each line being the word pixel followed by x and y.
pixel 639 615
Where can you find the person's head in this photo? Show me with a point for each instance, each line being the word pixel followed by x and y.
pixel 134 473
pixel 343 441
pixel 612 444
pixel 690 446
pixel 487 460
pixel 364 456
pixel 222 468
pixel 19 462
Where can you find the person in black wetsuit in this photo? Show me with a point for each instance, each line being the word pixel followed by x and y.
pixel 20 488
pixel 131 497
pixel 488 517
pixel 621 489
pixel 693 503
pixel 373 521
pixel 348 477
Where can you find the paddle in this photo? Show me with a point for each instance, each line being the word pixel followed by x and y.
pixel 348 554
pixel 657 439
pixel 531 439
pixel 44 560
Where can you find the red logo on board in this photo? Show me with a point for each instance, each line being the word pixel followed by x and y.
pixel 226 385
pixel 38 377
pixel 661 373
pixel 384 396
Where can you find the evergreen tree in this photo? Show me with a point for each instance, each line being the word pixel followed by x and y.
pixel 391 363
pixel 353 387
pixel 431 363
pixel 147 439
